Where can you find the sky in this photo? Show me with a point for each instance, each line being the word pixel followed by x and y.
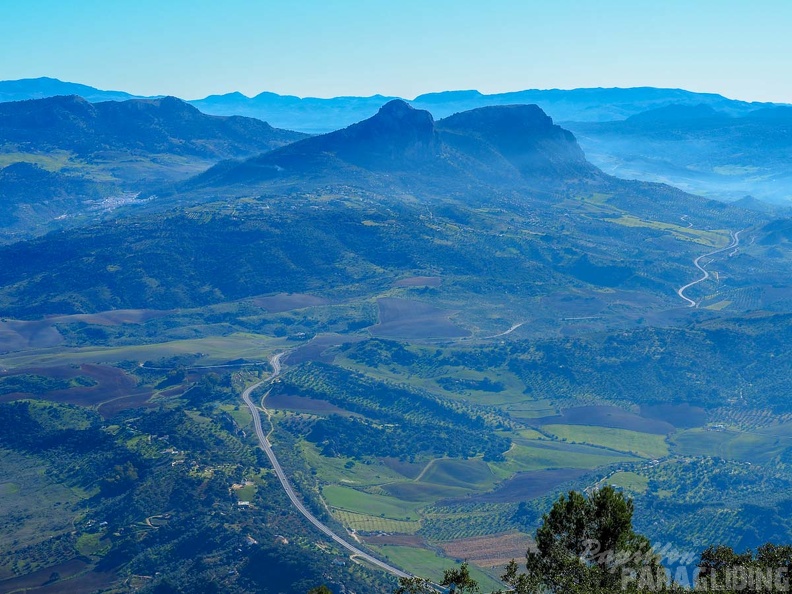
pixel 194 48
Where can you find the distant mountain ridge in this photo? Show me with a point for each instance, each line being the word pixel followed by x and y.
pixel 587 105
pixel 41 88
pixel 318 115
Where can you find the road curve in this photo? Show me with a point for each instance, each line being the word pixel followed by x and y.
pixel 265 445
pixel 705 274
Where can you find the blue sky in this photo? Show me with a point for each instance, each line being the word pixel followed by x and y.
pixel 326 48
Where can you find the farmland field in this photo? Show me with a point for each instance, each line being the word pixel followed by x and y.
pixel 644 445
pixel 630 481
pixel 489 551
pixel 608 416
pixel 366 523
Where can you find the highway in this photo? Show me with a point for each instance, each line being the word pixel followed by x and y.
pixel 697 263
pixel 267 447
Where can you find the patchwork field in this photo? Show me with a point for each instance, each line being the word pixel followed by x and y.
pixel 303 404
pixel 543 455
pixel 366 523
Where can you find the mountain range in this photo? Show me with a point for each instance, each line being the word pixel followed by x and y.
pixel 318 115
pixel 490 146
pixel 719 147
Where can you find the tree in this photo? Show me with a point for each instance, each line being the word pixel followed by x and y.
pixel 459 580
pixel 766 571
pixel 320 590
pixel 587 545
pixel 414 585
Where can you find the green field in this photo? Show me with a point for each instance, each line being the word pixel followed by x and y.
pixel 246 493
pixel 732 445
pixel 353 500
pixel 644 445
pixel 555 455
pixel 341 470
pixel 430 565
pixel 707 238
pixel 630 481
pixel 240 414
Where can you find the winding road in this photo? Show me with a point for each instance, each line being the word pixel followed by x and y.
pixel 267 447
pixel 705 274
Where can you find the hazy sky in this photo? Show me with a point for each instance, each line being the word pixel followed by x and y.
pixel 193 48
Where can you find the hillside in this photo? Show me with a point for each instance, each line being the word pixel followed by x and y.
pixel 92 157
pixel 500 199
pixel 317 115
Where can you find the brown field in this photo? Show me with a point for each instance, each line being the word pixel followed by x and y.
pixel 114 390
pixel 402 318
pixel 288 302
pixel 489 551
pixel 529 485
pixel 681 416
pixel 303 404
pixel 607 416
pixel 419 281
pixel 315 349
